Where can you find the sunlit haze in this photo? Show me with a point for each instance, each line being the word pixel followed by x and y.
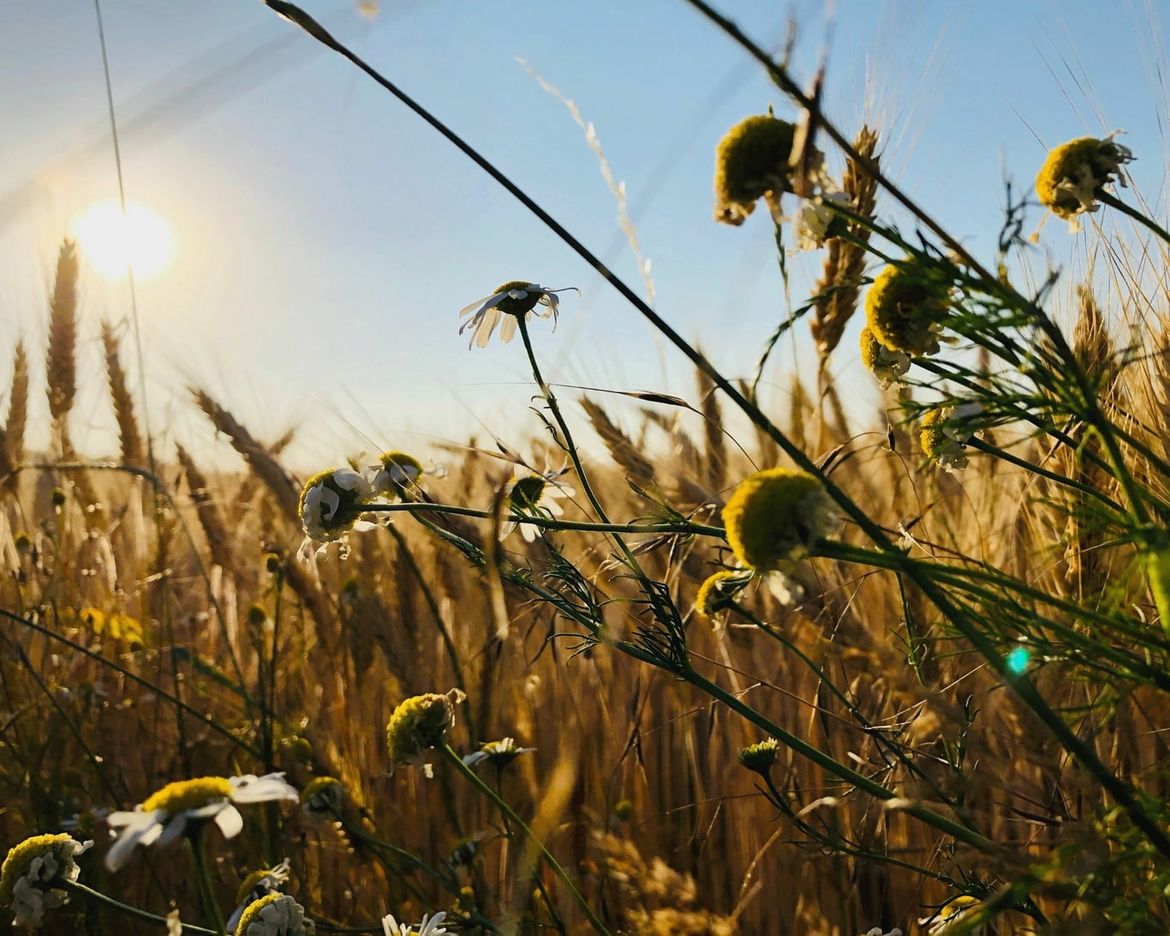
pixel 114 242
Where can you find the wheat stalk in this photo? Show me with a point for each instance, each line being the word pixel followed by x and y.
pixel 214 529
pixel 259 459
pixel 636 466
pixel 61 358
pixel 12 440
pixel 129 438
pixel 840 282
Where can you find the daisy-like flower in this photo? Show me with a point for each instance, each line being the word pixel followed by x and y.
pixel 719 589
pixel 322 797
pixel 886 365
pixel 419 724
pixel 510 301
pixel 1074 172
pixel 33 875
pixel 428 926
pixel 396 475
pixel 759 757
pixel 774 516
pixel 164 815
pixel 878 931
pixel 497 753
pixel 948 914
pixel 256 885
pixel 537 495
pixel 331 505
pixel 905 309
pixel 752 162
pixel 943 432
pixel 275 915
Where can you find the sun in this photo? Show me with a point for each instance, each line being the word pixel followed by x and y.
pixel 113 243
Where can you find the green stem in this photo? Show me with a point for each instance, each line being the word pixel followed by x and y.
pixel 685 528
pixel 457 762
pixel 433 606
pixel 203 872
pixel 133 911
pixel 1114 202
pixel 570 446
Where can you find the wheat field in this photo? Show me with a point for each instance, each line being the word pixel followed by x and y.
pixel 927 692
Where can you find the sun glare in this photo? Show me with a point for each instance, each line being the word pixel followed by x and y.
pixel 113 243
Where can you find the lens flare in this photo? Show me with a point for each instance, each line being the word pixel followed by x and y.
pixel 114 243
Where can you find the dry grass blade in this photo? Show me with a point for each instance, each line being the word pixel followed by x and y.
pixel 259 459
pixel 129 438
pixel 840 282
pixel 636 466
pixel 61 360
pixel 214 529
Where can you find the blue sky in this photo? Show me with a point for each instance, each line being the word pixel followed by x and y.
pixel 327 238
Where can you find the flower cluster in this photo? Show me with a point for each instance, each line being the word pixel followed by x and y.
pixel 256 886
pixel 334 502
pixel 34 873
pixel 944 431
pixel 165 815
pixel 1072 176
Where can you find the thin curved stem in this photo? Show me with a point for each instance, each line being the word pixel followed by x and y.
pixel 203 873
pixel 133 911
pixel 457 762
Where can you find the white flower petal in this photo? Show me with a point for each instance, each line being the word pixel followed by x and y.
pixel 229 820
pixel 253 789
pixel 175 828
pixel 508 328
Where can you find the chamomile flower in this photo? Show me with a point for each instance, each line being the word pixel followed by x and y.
pixel 509 302
pixel 537 495
pixel 718 590
pixel 497 753
pixel 396 475
pixel 322 797
pixel 948 914
pixel 274 915
pixel 428 926
pixel 419 724
pixel 164 815
pixel 33 875
pixel 760 757
pixel 774 516
pixel 331 505
pixel 905 309
pixel 752 162
pixel 943 432
pixel 1071 177
pixel 256 885
pixel 886 365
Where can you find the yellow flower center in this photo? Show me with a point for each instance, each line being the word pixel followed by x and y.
pixel 19 858
pixel 1074 170
pixel 188 794
pixel 717 590
pixel 419 723
pixel 519 305
pixel 751 161
pixel 904 308
pixel 773 516
pixel 252 913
